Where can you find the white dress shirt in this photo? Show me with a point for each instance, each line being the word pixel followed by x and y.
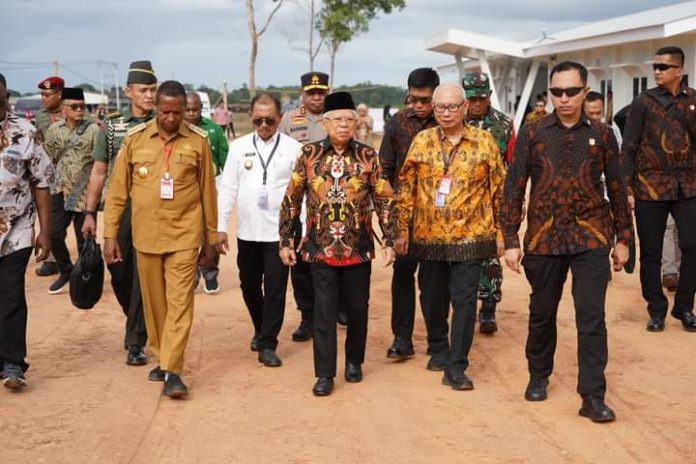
pixel 258 206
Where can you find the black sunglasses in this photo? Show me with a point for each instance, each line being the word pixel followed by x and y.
pixel 76 106
pixel 663 66
pixel 258 122
pixel 570 91
pixel 411 99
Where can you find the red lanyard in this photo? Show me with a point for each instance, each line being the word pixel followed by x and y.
pixel 167 153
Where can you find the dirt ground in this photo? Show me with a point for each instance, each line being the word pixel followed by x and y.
pixel 85 405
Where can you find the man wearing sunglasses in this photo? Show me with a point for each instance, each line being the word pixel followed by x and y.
pixel 570 226
pixel 659 159
pixel 69 144
pixel 256 174
pixel 398 134
pixel 304 124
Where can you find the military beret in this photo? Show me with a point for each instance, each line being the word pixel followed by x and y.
pixel 315 80
pixel 141 72
pixel 476 85
pixel 338 101
pixel 72 93
pixel 52 83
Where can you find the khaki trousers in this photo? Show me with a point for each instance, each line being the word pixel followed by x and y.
pixel 166 283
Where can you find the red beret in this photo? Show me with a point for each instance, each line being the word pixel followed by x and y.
pixel 52 83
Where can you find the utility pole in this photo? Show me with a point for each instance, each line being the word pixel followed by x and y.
pixel 56 68
pixel 101 77
pixel 224 93
pixel 118 89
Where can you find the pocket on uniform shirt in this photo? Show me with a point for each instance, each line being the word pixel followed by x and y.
pixel 143 163
pixel 185 167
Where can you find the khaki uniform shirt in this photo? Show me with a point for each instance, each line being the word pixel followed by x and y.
pixel 303 126
pixel 164 226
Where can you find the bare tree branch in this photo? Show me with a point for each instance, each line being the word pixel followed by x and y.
pixel 270 16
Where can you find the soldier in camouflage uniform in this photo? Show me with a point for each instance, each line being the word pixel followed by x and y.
pixel 141 87
pixel 69 143
pixel 480 114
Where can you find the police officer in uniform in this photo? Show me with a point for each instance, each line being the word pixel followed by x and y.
pixel 141 86
pixel 50 112
pixel 304 124
pixel 481 115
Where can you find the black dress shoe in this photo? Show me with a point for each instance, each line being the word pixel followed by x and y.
pixel 254 345
pixel 656 324
pixel 353 373
pixel 304 332
pixel 47 269
pixel 488 326
pixel 136 356
pixel 438 361
pixel 269 358
pixel 156 375
pixel 596 410
pixel 402 348
pixel 457 380
pixel 342 319
pixel 174 387
pixel 688 320
pixel 323 387
pixel 536 389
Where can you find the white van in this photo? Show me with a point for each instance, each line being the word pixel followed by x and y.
pixel 205 105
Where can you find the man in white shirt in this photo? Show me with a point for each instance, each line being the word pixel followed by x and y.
pixel 258 168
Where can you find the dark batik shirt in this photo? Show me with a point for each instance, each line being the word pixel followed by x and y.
pixel 659 155
pixel 568 212
pixel 339 217
pixel 398 135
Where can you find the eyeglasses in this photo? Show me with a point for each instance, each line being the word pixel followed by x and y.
pixel 570 91
pixel 442 108
pixel 76 106
pixel 663 66
pixel 342 120
pixel 258 122
pixel 412 100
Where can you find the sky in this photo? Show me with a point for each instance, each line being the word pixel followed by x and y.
pixel 207 41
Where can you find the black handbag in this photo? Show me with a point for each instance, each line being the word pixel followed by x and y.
pixel 87 276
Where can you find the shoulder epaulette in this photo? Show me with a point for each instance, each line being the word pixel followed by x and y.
pixel 202 132
pixel 140 127
pixel 115 114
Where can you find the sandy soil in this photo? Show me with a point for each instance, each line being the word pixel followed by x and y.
pixel 85 405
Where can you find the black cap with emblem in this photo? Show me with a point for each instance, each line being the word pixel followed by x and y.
pixel 315 80
pixel 141 72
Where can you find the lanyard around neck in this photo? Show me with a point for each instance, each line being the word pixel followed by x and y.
pixel 267 162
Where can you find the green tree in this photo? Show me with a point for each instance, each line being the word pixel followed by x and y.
pixel 341 20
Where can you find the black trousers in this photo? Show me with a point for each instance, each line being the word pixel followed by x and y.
pixel 331 285
pixel 651 220
pixel 264 280
pixel 440 282
pixel 403 293
pixel 13 309
pixel 60 221
pixel 546 275
pixel 301 278
pixel 126 285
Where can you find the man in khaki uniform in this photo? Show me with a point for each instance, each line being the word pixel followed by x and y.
pixel 165 167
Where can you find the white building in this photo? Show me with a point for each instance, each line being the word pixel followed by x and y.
pixel 617 52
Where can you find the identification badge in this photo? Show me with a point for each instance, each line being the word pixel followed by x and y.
pixel 167 188
pixel 445 185
pixel 440 200
pixel 262 199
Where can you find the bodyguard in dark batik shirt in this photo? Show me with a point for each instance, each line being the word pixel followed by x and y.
pixel 659 160
pixel 571 226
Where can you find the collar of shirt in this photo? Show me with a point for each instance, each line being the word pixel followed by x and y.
pixel 327 146
pixel 551 119
pixel 466 135
pixel 411 113
pixel 271 140
pixel 153 130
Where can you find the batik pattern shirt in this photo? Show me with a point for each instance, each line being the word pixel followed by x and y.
pixel 568 212
pixel 23 165
pixel 338 188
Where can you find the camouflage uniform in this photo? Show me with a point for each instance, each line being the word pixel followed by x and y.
pixel 43 118
pixel 500 126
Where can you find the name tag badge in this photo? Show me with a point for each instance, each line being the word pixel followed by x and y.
pixel 167 188
pixel 262 199
pixel 592 142
pixel 445 185
pixel 440 200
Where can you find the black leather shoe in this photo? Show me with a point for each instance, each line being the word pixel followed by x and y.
pixel 269 358
pixel 254 345
pixel 342 319
pixel 457 380
pixel 304 332
pixel 353 373
pixel 536 389
pixel 402 348
pixel 687 319
pixel 596 410
pixel 656 324
pixel 136 356
pixel 47 269
pixel 488 326
pixel 437 362
pixel 323 387
pixel 174 387
pixel 156 375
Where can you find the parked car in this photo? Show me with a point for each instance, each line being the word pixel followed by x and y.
pixel 27 108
